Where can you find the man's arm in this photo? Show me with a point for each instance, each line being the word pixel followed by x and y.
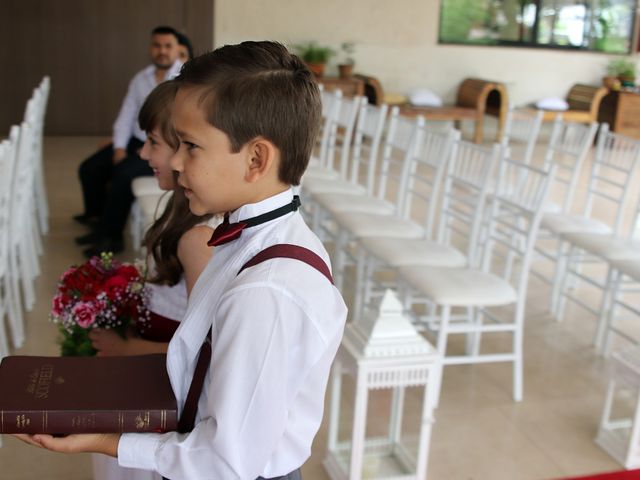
pixel 123 126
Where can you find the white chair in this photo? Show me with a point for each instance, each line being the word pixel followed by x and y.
pixel 36 117
pixel 464 195
pixel 151 207
pixel 521 129
pixel 331 103
pixel 335 175
pixel 377 201
pixel 141 187
pixel 23 232
pixel 366 145
pixel 402 145
pixel 624 286
pixel 511 232
pixel 5 280
pixel 10 277
pixel 619 433
pixel 567 151
pixel 590 238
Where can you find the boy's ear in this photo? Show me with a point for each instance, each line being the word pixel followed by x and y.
pixel 262 160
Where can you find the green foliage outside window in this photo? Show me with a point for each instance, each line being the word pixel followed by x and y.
pixel 597 25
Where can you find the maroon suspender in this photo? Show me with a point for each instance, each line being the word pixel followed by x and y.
pixel 283 250
pixel 286 250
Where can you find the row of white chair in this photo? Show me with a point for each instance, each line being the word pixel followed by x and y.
pixel 391 222
pixel 23 216
pixel 380 206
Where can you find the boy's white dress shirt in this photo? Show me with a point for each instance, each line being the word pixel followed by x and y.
pixel 276 329
pixel 140 86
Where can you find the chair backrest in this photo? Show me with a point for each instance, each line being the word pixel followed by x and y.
pixel 425 172
pixel 568 147
pixel 514 221
pixel 467 182
pixel 22 184
pixel 8 149
pixel 403 136
pixel 341 135
pixel 521 131
pixel 615 162
pixel 366 144
pixel 330 109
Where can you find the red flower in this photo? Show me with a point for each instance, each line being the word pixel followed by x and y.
pixel 115 285
pixel 128 271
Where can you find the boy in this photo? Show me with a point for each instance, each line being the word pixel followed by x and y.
pixel 247 116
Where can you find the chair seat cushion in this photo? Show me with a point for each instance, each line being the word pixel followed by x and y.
pixel 563 223
pixel 350 202
pixel 362 225
pixel 628 267
pixel 331 185
pixel 152 206
pixel 147 185
pixel 459 286
pixel 605 246
pixel 401 252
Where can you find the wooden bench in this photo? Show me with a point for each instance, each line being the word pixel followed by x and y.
pixel 475 99
pixel 584 103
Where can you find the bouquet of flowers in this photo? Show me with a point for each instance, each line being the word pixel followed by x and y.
pixel 101 293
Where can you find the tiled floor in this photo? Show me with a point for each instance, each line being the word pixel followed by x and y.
pixel 479 433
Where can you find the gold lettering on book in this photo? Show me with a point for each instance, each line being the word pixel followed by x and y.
pixel 40 381
pixel 83 421
pixel 143 421
pixel 22 421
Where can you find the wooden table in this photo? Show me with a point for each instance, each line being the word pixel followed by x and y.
pixel 621 110
pixel 350 87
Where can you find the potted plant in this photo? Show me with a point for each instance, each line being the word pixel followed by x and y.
pixel 624 69
pixel 315 56
pixel 346 68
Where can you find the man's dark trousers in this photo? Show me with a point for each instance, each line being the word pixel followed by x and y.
pixel 106 188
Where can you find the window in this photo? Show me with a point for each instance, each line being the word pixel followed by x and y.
pixel 598 25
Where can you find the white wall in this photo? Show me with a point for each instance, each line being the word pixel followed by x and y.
pixel 396 41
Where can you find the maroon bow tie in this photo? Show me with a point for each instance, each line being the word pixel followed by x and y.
pixel 227 232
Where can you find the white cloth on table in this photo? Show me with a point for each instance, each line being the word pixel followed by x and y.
pixel 276 329
pixel 553 103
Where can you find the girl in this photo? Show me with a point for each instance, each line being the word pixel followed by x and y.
pixel 178 252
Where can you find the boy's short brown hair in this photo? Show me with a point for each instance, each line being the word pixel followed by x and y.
pixel 260 89
pixel 156 112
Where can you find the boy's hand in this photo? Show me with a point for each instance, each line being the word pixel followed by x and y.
pixel 106 443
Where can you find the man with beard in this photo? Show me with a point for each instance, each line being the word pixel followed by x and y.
pixel 106 176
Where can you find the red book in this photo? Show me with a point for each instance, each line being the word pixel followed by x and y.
pixel 63 395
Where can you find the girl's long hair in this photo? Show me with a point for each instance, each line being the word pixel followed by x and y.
pixel 163 236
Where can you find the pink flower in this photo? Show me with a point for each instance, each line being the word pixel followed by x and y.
pixel 85 314
pixel 57 305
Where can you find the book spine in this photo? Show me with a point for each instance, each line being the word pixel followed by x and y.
pixel 69 421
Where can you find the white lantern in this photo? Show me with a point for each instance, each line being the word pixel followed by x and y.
pixel 382 352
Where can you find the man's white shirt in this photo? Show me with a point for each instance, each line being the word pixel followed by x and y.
pixel 140 86
pixel 276 329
